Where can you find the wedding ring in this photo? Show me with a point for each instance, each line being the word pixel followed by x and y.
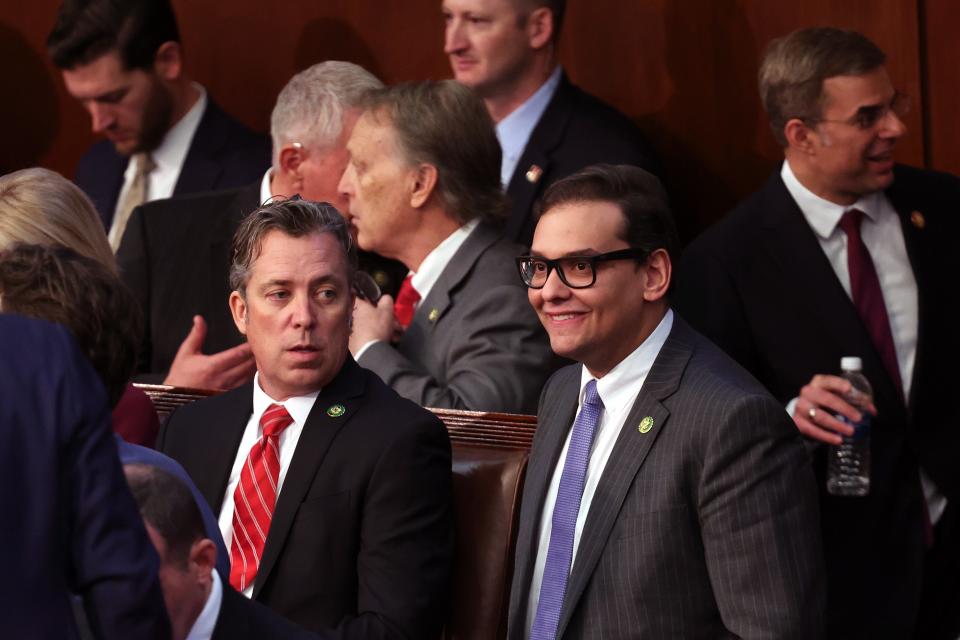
pixel 812 413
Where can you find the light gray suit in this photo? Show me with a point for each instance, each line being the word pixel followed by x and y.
pixel 704 527
pixel 474 342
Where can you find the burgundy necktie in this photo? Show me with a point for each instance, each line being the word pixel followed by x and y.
pixel 406 303
pixel 867 294
pixel 255 498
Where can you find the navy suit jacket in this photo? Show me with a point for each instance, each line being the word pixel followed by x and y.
pixel 575 131
pixel 69 522
pixel 223 154
pixel 759 285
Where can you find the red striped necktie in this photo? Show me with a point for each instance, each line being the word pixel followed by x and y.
pixel 406 303
pixel 255 498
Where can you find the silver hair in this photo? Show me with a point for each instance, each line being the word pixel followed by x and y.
pixel 310 108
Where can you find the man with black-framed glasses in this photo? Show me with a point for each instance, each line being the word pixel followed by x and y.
pixel 667 494
pixel 845 253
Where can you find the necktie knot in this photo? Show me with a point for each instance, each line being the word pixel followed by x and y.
pixel 591 396
pixel 406 302
pixel 850 221
pixel 274 420
pixel 145 163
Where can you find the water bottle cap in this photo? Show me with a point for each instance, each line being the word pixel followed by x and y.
pixel 851 363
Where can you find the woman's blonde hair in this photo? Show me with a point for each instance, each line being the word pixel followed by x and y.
pixel 39 206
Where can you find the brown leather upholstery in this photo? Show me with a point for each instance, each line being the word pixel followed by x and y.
pixel 490 452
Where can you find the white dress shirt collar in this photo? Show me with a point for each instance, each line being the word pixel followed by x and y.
pixel 173 149
pixel 437 260
pixel 297 406
pixel 514 131
pixel 266 193
pixel 822 215
pixel 206 622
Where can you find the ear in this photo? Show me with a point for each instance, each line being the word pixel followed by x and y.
pixel 291 156
pixel 168 61
pixel 539 27
pixel 203 558
pixel 238 308
pixel 799 135
pixel 659 271
pixel 424 182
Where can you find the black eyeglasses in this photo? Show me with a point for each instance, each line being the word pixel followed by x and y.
pixel 867 118
pixel 577 272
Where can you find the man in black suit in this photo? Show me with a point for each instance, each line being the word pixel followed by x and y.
pixel 200 606
pixel 667 494
pixel 506 50
pixel 176 253
pixel 123 61
pixel 783 284
pixel 333 492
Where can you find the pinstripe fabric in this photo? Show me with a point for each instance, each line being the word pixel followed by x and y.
pixel 255 498
pixel 704 527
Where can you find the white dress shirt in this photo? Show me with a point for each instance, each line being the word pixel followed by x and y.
pixel 618 390
pixel 514 131
pixel 883 236
pixel 299 408
pixel 206 622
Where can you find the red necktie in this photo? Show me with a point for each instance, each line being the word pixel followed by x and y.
pixel 406 303
pixel 255 498
pixel 867 294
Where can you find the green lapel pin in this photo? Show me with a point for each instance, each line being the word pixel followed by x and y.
pixel 337 410
pixel 646 424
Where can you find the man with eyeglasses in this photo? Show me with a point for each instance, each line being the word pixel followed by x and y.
pixel 667 494
pixel 844 253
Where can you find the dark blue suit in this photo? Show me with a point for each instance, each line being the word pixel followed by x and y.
pixel 223 154
pixel 69 523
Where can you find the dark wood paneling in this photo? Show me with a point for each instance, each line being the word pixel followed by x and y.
pixel 941 55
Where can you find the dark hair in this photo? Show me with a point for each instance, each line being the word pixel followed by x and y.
pixel 59 285
pixel 648 222
pixel 88 29
pixel 794 67
pixel 446 125
pixel 295 217
pixel 167 505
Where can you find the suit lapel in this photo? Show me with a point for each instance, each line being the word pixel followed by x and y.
pixel 220 443
pixel 318 433
pixel 201 169
pixel 625 461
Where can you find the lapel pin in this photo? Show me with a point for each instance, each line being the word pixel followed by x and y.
pixel 337 410
pixel 918 220
pixel 381 278
pixel 645 425
pixel 433 315
pixel 534 173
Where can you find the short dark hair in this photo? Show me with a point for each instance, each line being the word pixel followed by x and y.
pixel 446 125
pixel 295 217
pixel 88 29
pixel 648 222
pixel 59 285
pixel 794 67
pixel 167 505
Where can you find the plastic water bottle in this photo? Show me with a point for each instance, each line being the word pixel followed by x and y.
pixel 848 465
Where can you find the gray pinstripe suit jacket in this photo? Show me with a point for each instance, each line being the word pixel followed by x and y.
pixel 704 527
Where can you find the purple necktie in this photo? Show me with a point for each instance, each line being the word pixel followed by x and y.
pixel 565 511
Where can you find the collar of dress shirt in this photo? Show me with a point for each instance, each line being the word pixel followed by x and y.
pixel 297 406
pixel 169 156
pixel 436 261
pixel 205 623
pixel 514 131
pixel 265 190
pixel 822 215
pixel 618 389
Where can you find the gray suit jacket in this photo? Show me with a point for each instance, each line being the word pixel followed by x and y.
pixel 475 342
pixel 704 527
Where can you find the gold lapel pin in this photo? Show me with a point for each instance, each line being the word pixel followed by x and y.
pixel 646 424
pixel 534 173
pixel 336 411
pixel 918 220
pixel 433 315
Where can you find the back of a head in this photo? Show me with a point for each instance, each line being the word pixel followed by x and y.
pixel 311 106
pixel 167 505
pixel 39 206
pixel 88 29
pixel 794 67
pixel 58 285
pixel 446 125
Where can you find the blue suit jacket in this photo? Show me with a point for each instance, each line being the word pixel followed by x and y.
pixel 223 154
pixel 69 523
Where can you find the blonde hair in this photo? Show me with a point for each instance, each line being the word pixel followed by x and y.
pixel 39 206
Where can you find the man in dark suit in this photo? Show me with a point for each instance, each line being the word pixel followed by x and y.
pixel 334 493
pixel 506 50
pixel 70 525
pixel 779 286
pixel 165 136
pixel 176 253
pixel 423 188
pixel 201 607
pixel 679 504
